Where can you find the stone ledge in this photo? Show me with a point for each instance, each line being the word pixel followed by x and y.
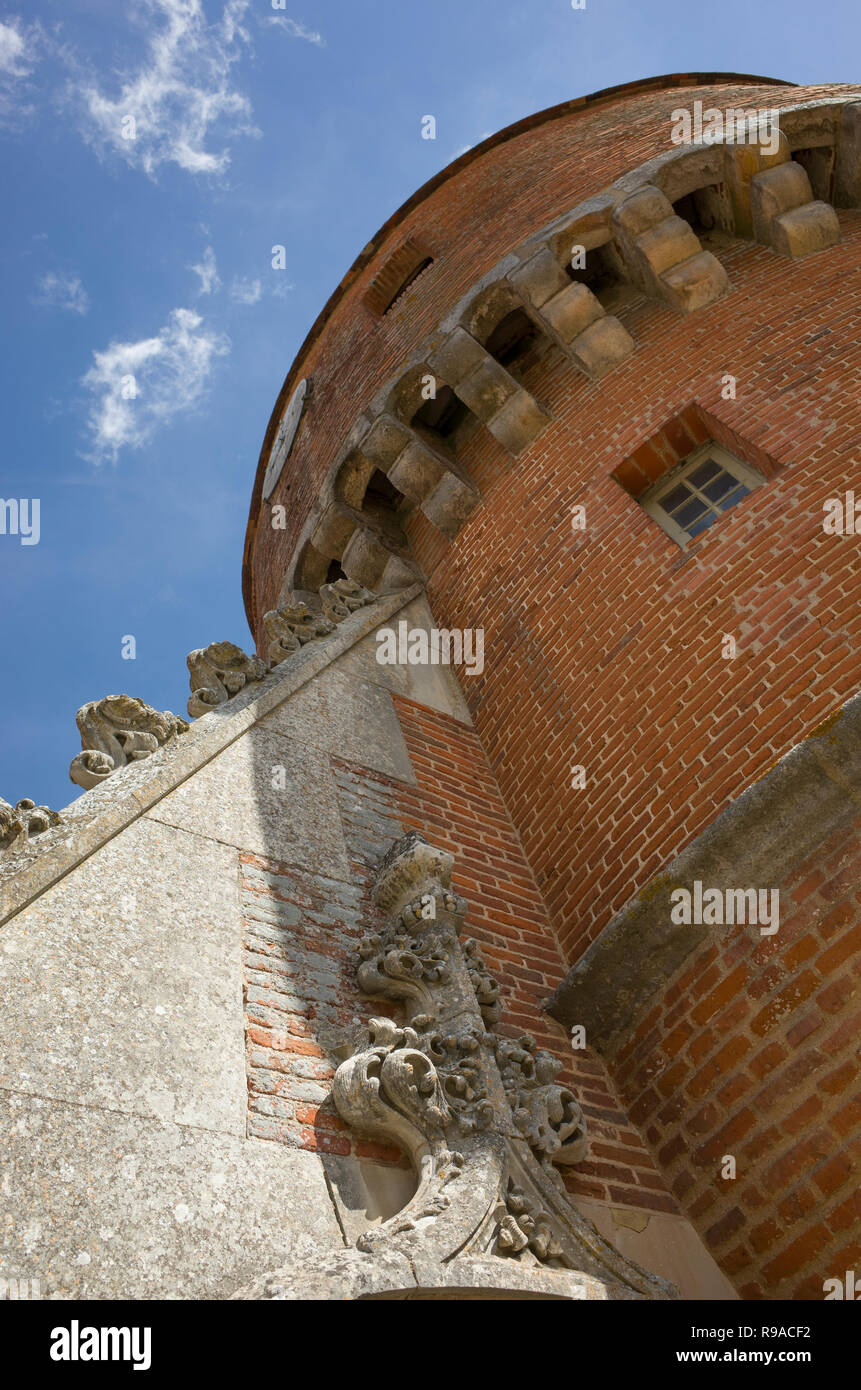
pixel 756 841
pixel 96 816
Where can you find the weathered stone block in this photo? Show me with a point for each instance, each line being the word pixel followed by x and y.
pixel 777 190
pixel 813 227
pixel 519 421
pixel 486 389
pixel 459 355
pixel 540 278
pixel 571 311
pixel 267 794
pixel 417 471
pixel 602 346
pixel 364 558
pixel 119 985
pixel 112 1206
pixel 449 504
pixel 333 530
pixel 641 210
pixel 698 281
pixel 670 242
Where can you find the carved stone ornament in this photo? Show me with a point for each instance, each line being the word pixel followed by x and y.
pixel 217 672
pixel 21 822
pixel 117 730
pixel 221 670
pixel 481 1118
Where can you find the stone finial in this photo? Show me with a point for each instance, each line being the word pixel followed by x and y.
pixel 21 822
pixel 218 672
pixel 116 730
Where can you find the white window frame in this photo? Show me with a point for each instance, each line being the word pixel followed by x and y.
pixel 650 500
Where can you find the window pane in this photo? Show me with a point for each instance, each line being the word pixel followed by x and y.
pixel 733 497
pixel 724 483
pixel 701 525
pixel 704 473
pixel 686 516
pixel 675 498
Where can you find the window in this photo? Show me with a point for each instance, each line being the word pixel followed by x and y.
pixel 689 499
pixel 400 272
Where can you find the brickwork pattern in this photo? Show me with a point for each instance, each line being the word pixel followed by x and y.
pixel 300 931
pixel 753 1051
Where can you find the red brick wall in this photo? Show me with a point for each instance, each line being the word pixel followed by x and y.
pixel 300 933
pixel 603 648
pixel 753 1050
pixel 490 204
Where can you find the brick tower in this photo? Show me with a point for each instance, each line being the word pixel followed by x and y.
pixel 494 930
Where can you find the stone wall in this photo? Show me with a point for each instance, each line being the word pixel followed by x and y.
pixel 175 1001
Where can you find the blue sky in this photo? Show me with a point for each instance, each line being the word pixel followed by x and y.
pixel 151 257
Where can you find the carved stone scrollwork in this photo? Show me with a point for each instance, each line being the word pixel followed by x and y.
pixel 486 988
pixel 343 597
pixel 19 823
pixel 117 730
pixel 547 1116
pixel 481 1119
pixel 289 628
pixel 527 1226
pixel 217 673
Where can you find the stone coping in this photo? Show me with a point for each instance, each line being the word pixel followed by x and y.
pixel 755 842
pixel 101 813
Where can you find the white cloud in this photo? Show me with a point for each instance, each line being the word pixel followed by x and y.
pixel 209 279
pixel 295 29
pixel 18 55
pixel 245 291
pixel 62 291
pixel 180 95
pixel 139 387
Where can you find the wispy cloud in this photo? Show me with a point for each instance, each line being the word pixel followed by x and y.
pixel 180 98
pixel 208 273
pixel 58 290
pixel 138 387
pixel 18 55
pixel 245 291
pixel 294 29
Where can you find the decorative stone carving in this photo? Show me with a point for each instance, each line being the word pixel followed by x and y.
pixel 486 988
pixel 343 597
pixel 117 730
pixel 19 823
pixel 289 628
pixel 547 1116
pixel 480 1118
pixel 218 672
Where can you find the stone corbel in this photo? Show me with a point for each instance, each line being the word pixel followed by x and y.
pixel 480 1117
